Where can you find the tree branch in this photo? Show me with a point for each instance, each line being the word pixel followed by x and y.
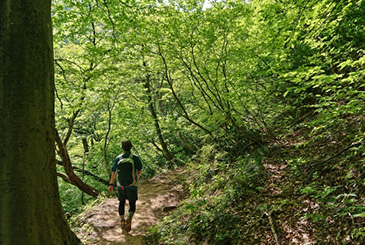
pixel 88 173
pixel 63 176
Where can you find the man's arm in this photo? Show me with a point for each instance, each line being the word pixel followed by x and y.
pixel 138 166
pixel 138 175
pixel 112 181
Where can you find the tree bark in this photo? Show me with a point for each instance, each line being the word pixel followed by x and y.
pixel 63 176
pixel 67 165
pixel 30 206
pixel 85 145
pixel 88 173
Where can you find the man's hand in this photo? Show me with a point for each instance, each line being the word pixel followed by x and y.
pixel 111 187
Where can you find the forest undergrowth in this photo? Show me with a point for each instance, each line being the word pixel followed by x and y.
pixel 300 189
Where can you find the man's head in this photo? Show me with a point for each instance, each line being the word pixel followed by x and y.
pixel 126 145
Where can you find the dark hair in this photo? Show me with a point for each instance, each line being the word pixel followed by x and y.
pixel 126 145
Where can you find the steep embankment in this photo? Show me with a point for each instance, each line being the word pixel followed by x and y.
pixel 158 196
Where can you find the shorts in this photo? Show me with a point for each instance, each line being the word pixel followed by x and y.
pixel 129 192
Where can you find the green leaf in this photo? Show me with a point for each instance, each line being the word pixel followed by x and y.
pixel 360 215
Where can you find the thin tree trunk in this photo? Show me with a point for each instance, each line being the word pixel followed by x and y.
pixel 167 154
pixel 85 144
pixel 186 115
pixel 30 206
pixel 74 179
pixel 82 176
pixel 110 109
pixel 67 164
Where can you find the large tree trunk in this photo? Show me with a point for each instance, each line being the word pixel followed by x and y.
pixel 30 206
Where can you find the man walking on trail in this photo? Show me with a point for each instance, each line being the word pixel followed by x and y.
pixel 129 168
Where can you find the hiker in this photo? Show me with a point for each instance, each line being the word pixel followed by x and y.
pixel 129 168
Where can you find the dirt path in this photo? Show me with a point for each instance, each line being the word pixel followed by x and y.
pixel 100 225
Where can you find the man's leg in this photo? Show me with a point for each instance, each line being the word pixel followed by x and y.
pixel 132 196
pixel 132 210
pixel 121 208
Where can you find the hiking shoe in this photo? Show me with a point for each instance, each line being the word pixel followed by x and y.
pixel 123 223
pixel 128 227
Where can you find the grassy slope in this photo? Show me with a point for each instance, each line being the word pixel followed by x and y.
pixel 302 189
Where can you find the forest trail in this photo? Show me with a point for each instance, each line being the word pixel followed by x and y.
pixel 157 196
